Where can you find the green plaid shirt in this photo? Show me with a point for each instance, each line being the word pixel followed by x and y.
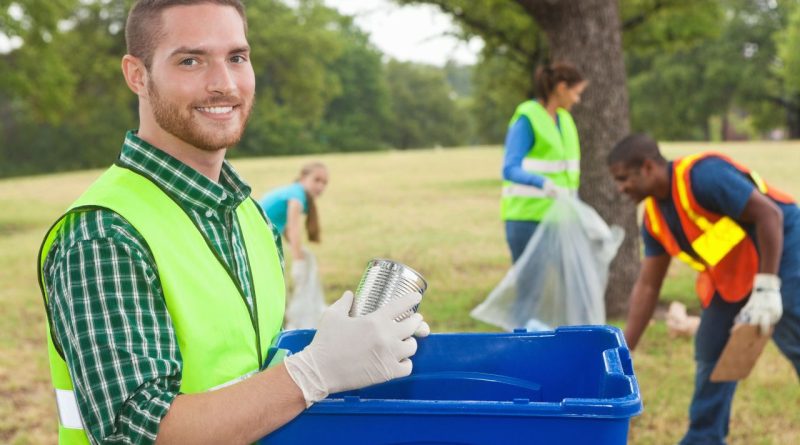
pixel 106 302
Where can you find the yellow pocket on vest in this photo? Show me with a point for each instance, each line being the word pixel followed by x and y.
pixel 718 240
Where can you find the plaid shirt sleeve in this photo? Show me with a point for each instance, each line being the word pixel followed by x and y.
pixel 110 318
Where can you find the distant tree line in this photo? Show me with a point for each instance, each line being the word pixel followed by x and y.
pixel 696 69
pixel 321 87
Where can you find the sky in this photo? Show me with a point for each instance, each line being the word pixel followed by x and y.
pixel 413 33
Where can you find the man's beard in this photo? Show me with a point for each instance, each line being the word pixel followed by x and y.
pixel 182 122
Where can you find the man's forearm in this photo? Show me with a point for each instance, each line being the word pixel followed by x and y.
pixel 238 414
pixel 769 231
pixel 644 297
pixel 642 305
pixel 762 212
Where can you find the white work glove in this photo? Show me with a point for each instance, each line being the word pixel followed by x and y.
pixel 299 270
pixel 551 190
pixel 423 330
pixel 764 307
pixel 353 352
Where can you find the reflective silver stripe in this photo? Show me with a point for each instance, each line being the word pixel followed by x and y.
pixel 68 413
pixel 523 190
pixel 236 380
pixel 540 166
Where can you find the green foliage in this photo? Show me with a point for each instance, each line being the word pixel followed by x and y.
pixel 789 52
pixel 424 113
pixel 700 62
pixel 500 85
pixel 513 48
pixel 689 62
pixel 321 86
pixel 65 103
pixel 357 119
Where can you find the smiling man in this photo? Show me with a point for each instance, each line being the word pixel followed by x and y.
pixel 163 283
pixel 743 238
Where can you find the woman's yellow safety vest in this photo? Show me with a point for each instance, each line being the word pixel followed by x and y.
pixel 220 340
pixel 555 154
pixel 722 252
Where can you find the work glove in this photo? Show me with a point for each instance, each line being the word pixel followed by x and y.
pixel 551 190
pixel 764 307
pixel 353 352
pixel 299 270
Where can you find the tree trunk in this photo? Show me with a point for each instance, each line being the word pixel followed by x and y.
pixel 587 33
pixel 793 121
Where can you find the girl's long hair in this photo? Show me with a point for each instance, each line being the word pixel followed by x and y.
pixel 312 217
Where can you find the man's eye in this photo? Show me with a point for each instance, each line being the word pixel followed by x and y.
pixel 189 62
pixel 238 59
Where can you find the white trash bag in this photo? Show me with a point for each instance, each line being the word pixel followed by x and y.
pixel 561 276
pixel 307 298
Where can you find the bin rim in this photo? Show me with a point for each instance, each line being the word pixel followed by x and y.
pixel 599 408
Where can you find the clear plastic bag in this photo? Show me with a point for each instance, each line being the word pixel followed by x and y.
pixel 560 278
pixel 307 298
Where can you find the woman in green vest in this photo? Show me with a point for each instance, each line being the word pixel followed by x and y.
pixel 542 153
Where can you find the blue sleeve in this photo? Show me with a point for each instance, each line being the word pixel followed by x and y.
pixel 720 187
pixel 519 141
pixel 298 192
pixel 651 246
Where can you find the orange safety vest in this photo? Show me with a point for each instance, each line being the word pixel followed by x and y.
pixel 724 255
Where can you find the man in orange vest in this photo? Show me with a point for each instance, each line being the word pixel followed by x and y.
pixel 740 234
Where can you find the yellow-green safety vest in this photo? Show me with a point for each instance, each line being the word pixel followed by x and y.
pixel 221 342
pixel 555 154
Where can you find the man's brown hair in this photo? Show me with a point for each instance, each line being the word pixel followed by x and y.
pixel 143 28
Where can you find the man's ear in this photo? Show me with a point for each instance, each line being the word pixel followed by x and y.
pixel 135 74
pixel 648 166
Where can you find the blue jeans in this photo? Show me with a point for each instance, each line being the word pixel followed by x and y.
pixel 710 410
pixel 518 233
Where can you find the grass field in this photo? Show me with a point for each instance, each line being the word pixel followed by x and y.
pixel 436 210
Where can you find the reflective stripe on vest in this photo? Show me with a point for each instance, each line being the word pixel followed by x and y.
pixel 221 341
pixel 555 155
pixel 718 238
pixel 523 190
pixel 68 414
pixel 659 230
pixel 541 166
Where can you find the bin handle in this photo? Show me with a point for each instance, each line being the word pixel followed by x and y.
pixel 618 361
pixel 275 356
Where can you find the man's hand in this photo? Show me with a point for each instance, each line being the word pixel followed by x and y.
pixel 764 307
pixel 353 352
pixel 551 190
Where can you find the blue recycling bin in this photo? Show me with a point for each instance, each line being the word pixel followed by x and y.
pixel 574 385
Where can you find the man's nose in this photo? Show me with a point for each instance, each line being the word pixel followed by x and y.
pixel 220 79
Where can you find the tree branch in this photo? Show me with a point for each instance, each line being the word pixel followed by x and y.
pixel 785 103
pixel 483 26
pixel 638 19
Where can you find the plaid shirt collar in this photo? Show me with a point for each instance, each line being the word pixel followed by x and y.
pixel 188 186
